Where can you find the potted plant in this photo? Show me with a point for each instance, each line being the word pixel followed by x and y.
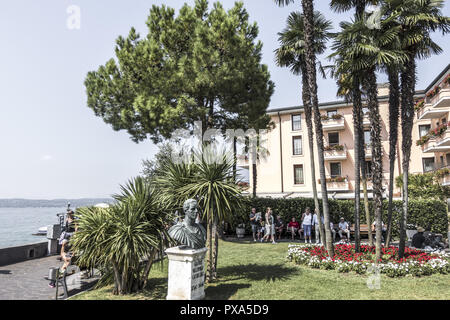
pixel 240 230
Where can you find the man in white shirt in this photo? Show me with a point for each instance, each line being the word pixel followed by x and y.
pixel 344 228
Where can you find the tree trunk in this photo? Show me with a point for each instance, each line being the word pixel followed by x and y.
pixel 209 259
pixel 394 104
pixel 147 269
pixel 216 249
pixel 306 97
pixel 377 160
pixel 408 77
pixel 357 123
pixel 234 159
pixel 310 57
pixel 255 178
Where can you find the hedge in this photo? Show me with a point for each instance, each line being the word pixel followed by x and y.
pixel 429 214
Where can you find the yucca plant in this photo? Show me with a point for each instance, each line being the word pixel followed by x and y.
pixel 208 179
pixel 125 237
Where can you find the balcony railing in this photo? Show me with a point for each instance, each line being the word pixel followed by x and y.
pixel 337 183
pixel 366 120
pixel 428 111
pixel 441 99
pixel 368 151
pixel 335 122
pixel 335 152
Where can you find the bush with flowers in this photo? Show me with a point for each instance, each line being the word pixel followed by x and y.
pixel 415 262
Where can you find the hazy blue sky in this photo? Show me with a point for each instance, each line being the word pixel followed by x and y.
pixel 51 144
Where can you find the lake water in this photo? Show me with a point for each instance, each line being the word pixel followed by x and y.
pixel 18 224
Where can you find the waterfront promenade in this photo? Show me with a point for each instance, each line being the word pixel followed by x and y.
pixel 26 280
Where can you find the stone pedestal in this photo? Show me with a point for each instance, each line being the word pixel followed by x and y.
pixel 186 273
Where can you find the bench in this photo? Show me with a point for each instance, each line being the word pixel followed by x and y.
pixel 363 229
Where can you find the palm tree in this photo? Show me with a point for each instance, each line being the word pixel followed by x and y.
pixel 118 238
pixel 308 12
pixel 292 54
pixel 360 48
pixel 354 93
pixel 209 180
pixel 417 20
pixel 394 108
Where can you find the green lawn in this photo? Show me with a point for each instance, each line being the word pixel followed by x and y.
pixel 250 270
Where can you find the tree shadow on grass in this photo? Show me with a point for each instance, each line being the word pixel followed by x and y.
pixel 156 289
pixel 223 291
pixel 258 272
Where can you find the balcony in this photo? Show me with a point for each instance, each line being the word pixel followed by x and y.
pixel 428 111
pixel 339 183
pixel 368 151
pixel 366 120
pixel 442 99
pixel 333 123
pixel 335 152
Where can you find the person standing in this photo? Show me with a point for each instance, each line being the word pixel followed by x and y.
pixel 269 226
pixel 315 223
pixel 307 225
pixel 254 224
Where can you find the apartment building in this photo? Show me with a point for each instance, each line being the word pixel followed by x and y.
pixel 285 171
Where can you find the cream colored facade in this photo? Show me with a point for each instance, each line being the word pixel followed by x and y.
pixel 276 172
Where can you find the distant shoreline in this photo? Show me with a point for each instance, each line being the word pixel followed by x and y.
pixel 55 203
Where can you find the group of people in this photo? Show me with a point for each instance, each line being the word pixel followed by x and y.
pixel 266 228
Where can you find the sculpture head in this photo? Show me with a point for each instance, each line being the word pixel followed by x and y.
pixel 190 209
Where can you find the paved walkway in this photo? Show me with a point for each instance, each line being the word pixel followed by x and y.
pixel 25 280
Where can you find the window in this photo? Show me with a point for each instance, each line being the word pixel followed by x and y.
pixel 298 174
pixel 369 168
pixel 297 145
pixel 444 120
pixel 367 137
pixel 296 122
pixel 447 159
pixel 441 162
pixel 335 169
pixel 428 164
pixel 365 110
pixel 423 129
pixel 331 113
pixel 333 138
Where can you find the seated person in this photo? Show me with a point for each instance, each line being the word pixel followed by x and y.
pixel 279 226
pixel 383 229
pixel 344 228
pixel 418 240
pixel 294 227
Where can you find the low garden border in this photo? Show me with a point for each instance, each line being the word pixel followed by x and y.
pixel 416 262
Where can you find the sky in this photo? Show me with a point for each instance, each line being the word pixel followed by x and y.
pixel 52 146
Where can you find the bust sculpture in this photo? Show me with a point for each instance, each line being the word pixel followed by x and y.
pixel 188 232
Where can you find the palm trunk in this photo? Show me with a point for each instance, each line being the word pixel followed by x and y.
pixel 234 159
pixel 407 110
pixel 308 11
pixel 394 102
pixel 306 97
pixel 377 177
pixel 357 122
pixel 209 259
pixel 255 180
pixel 147 269
pixel 216 249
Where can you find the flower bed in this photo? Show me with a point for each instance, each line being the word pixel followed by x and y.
pixel 415 262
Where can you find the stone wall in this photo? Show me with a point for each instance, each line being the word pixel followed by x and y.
pixel 22 253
